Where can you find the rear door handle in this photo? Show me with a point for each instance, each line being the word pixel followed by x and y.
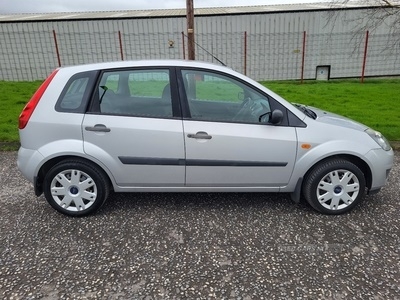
pixel 201 135
pixel 98 128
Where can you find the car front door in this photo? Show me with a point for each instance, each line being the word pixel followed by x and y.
pixel 227 140
pixel 133 128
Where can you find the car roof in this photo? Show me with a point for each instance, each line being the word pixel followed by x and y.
pixel 146 63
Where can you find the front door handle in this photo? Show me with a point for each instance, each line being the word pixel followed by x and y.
pixel 98 128
pixel 201 135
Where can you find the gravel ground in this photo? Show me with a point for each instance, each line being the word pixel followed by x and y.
pixel 197 246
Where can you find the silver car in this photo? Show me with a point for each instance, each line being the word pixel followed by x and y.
pixel 185 126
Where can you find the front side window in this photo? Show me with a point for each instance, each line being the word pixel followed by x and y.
pixel 216 97
pixel 144 93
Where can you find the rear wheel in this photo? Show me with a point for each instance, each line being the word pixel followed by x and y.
pixel 334 186
pixel 75 188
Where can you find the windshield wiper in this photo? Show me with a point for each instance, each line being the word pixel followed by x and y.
pixel 308 112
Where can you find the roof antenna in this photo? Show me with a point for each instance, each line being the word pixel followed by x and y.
pixel 208 52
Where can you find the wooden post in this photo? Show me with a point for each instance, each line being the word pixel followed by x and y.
pixel 120 45
pixel 57 51
pixel 365 56
pixel 190 29
pixel 183 45
pixel 303 56
pixel 245 53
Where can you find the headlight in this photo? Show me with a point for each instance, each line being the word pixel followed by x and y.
pixel 379 138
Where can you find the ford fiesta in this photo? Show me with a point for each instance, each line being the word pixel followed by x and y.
pixel 185 126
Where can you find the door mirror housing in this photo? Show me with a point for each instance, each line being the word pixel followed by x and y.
pixel 276 117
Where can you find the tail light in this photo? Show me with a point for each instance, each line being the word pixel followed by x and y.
pixel 31 105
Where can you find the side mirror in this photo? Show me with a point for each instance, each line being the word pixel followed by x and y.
pixel 276 117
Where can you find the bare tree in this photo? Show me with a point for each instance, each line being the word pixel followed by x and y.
pixel 373 15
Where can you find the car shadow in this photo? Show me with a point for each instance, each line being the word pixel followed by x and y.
pixel 278 202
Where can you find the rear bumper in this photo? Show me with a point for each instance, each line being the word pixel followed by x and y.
pixel 28 162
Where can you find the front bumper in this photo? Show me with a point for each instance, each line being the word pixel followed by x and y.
pixel 380 162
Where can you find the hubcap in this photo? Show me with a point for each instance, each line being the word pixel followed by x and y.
pixel 338 189
pixel 73 190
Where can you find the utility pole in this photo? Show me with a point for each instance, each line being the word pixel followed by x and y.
pixel 190 29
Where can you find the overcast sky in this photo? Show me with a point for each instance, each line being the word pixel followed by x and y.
pixel 43 6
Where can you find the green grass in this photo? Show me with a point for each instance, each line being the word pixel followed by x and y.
pixel 222 91
pixel 13 97
pixel 375 103
pixel 151 88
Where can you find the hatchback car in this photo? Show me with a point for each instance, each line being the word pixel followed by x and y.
pixel 187 126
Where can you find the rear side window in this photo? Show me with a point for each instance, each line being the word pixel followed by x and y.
pixel 142 93
pixel 76 93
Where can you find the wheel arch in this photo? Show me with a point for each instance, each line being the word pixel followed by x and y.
pixel 39 178
pixel 360 163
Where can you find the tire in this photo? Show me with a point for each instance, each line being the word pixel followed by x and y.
pixel 76 188
pixel 334 186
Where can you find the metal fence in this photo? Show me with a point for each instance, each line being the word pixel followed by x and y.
pixel 32 55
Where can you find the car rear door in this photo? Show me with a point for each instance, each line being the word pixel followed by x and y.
pixel 226 145
pixel 133 127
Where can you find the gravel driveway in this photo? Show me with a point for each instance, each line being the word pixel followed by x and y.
pixel 197 246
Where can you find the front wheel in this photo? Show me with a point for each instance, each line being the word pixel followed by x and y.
pixel 334 186
pixel 75 188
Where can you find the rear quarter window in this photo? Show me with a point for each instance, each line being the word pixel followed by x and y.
pixel 75 96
